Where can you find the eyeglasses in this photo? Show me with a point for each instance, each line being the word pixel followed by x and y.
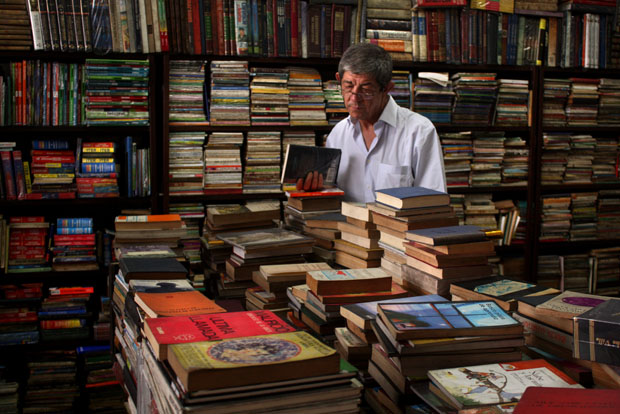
pixel 363 93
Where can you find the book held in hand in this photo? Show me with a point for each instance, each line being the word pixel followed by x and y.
pixel 301 159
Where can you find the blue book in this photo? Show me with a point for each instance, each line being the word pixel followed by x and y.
pixel 74 222
pixel 412 197
pixel 74 230
pixel 129 159
pixel 438 236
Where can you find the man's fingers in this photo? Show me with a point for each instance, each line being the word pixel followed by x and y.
pixel 308 181
pixel 315 180
pixel 320 184
pixel 300 184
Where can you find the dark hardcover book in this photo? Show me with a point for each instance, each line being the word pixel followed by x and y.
pixel 85 14
pixel 412 197
pixel 314 31
pixel 9 177
pixel 597 333
pixel 300 160
pixel 136 25
pixel 151 268
pixel 70 26
pixel 207 26
pixel 45 27
pixel 62 25
pixel 52 19
pixel 76 10
pixel 447 235
pixel 387 24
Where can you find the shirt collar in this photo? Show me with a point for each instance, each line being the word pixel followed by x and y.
pixel 388 115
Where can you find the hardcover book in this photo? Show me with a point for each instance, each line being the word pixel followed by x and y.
pixel 251 360
pixel 251 212
pixel 301 159
pixel 447 235
pixel 440 320
pixel 481 385
pixel 160 286
pixel 176 303
pixel 151 268
pixel 411 197
pixel 553 400
pixel 569 304
pixel 162 332
pixel 333 282
pixel 596 333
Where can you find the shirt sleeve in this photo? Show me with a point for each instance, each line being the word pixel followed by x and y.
pixel 429 170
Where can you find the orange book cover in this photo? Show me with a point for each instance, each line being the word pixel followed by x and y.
pixel 176 303
pixel 150 218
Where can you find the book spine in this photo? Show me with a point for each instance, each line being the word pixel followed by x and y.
pixel 74 222
pixel 20 182
pixel 9 178
pixel 70 26
pixel 62 26
pixel 35 24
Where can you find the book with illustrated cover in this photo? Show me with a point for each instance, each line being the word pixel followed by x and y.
pixel 176 303
pixel 301 159
pixel 440 320
pixel 160 286
pixel 473 386
pixel 251 360
pixel 569 304
pixel 162 332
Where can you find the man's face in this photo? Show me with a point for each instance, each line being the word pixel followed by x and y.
pixel 363 97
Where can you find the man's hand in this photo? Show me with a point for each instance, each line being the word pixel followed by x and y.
pixel 312 182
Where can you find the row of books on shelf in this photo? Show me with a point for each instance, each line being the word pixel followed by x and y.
pixel 91 170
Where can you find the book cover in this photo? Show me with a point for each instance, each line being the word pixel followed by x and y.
pixel 263 238
pixel 596 333
pixel 428 320
pixel 151 268
pixel 301 159
pixel 341 281
pixel 447 235
pixel 469 387
pixel 569 304
pixel 160 286
pixel 176 303
pixel 556 400
pixel 251 360
pixel 162 332
pixel 411 197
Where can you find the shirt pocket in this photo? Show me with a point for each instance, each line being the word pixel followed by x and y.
pixel 390 176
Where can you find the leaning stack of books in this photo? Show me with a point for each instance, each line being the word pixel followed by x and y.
pixel 434 96
pixel 358 246
pixel 269 96
pixel 98 173
pixel 230 93
pixel 149 229
pixel 306 101
pixel 187 92
pixel 222 163
pixel 185 163
pixel 416 337
pixel 324 228
pixel 18 313
pixel 398 210
pixel 475 98
pixel 74 246
pixel 262 162
pixel 437 257
pixel 64 314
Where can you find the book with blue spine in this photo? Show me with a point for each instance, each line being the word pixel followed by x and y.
pixel 74 222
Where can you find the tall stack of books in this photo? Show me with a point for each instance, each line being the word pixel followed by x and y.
pixel 98 173
pixel 608 214
pixel 187 94
pixel 579 160
pixel 549 270
pixel 16 34
pixel 164 229
pixel 583 216
pixel 603 164
pixel 401 92
pixel 306 100
pixel 185 163
pixel 556 218
pixel 604 278
pixel 53 170
pixel 230 93
pixel 324 229
pixel 334 102
pixel 582 104
pixel 298 138
pixel 486 166
pixel 556 147
pixel 555 96
pixel 393 37
pixel 116 92
pixel 575 272
pixel 515 162
pixel 223 169
pixel 262 162
pixel 303 206
pixel 480 211
pixel 475 98
pixel 439 256
pixel 458 152
pixel 609 101
pixel 359 244
pixel 434 96
pixel 269 96
pixel 415 337
pixel 512 106
pixel 193 215
pixel 74 246
pixel 27 244
pixel 18 313
pixel 64 314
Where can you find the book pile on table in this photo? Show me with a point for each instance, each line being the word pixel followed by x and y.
pixel 358 246
pixel 18 313
pixel 187 93
pixel 262 162
pixel 223 169
pixel 230 93
pixel 555 95
pixel 253 248
pixel 185 163
pixel 74 245
pixel 458 152
pixel 269 96
pixel 273 282
pixel 306 100
pixel 98 173
pixel 324 228
pixel 335 109
pixel 398 210
pixel 475 98
pixel 434 96
pixel 415 337
pixel 439 256
pixel 165 229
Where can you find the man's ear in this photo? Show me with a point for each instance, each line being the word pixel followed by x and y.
pixel 389 87
pixel 338 76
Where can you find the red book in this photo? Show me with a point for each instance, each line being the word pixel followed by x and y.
pixel 196 27
pixel 548 400
pixel 295 28
pixel 71 290
pixel 219 19
pixel 162 332
pixel 27 219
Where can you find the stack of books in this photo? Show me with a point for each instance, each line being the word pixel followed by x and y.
pixel 27 244
pixel 18 313
pixel 324 229
pixel 185 163
pixel 486 166
pixel 165 229
pixel 262 162
pixel 458 152
pixel 401 92
pixel 223 169
pixel 306 100
pixel 437 257
pixel 556 218
pixel 64 314
pixel 608 214
pixel 480 211
pixel 269 96
pixel 52 382
pixel 512 106
pixel 52 167
pixel 515 162
pixel 582 104
pixel 358 246
pixel 74 247
pixel 603 166
pixel 15 34
pixel 457 203
pixel 103 390
pixel 307 138
pixel 98 172
pixel 434 96
pixel 609 101
pixel 9 390
pixel 549 270
pixel 475 98
pixel 575 272
pixel 555 95
pixel 556 147
pixel 579 160
pixel 393 37
pixel 193 215
pixel 415 337
pixel 230 93
pixel 335 109
pixel 116 92
pixel 186 93
pixel 583 216
pixel 273 282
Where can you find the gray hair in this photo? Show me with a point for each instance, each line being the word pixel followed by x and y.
pixel 367 58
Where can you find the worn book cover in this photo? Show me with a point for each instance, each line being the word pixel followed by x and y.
pixel 302 159
pixel 176 303
pixel 468 387
pixel 160 286
pixel 439 320
pixel 395 291
pixel 159 221
pixel 341 281
pixel 251 360
pixel 411 197
pixel 290 272
pixel 264 238
pixel 252 211
pixel 569 304
pixel 596 333
pixel 447 235
pixel 554 400
pixel 162 332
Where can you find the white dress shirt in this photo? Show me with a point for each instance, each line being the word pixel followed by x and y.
pixel 405 152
